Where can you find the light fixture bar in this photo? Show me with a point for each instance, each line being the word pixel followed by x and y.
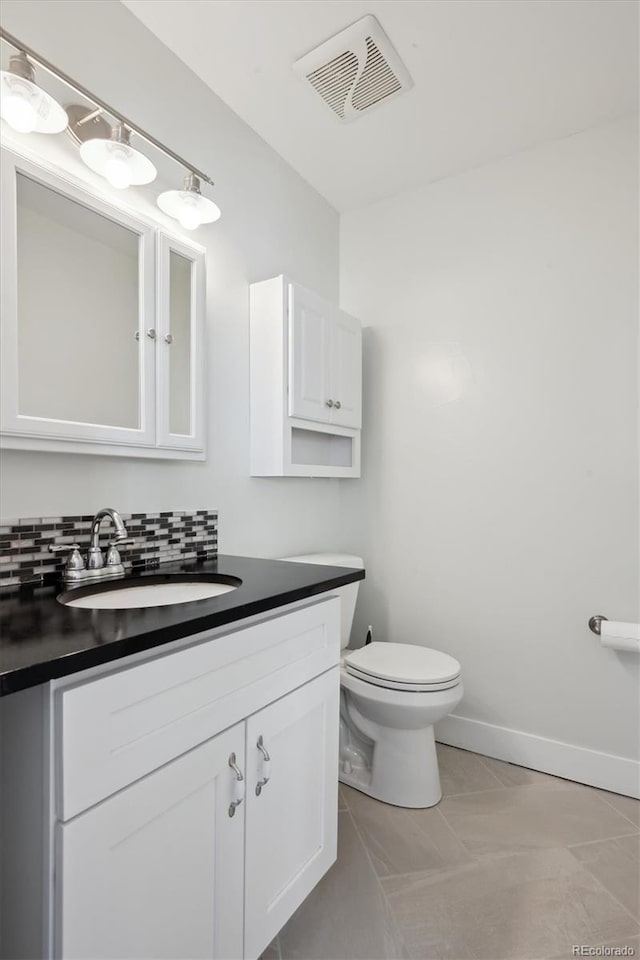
pixel 103 105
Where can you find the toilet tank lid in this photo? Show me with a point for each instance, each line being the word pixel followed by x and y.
pixel 329 559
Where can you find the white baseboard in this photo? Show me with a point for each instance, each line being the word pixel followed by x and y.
pixel 603 770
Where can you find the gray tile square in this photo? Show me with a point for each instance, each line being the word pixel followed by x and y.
pixel 523 818
pixel 402 841
pixel 627 806
pixel 511 775
pixel 516 907
pixel 463 772
pixel 616 864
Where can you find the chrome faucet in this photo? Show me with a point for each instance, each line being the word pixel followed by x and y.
pixel 96 567
pixel 95 560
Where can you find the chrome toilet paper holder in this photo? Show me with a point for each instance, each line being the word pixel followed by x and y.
pixel 595 623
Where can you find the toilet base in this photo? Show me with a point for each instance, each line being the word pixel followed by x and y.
pixel 403 770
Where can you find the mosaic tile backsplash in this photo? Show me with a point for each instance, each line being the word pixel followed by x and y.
pixel 159 537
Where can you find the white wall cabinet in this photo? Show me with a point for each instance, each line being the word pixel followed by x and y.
pixel 152 845
pixel 102 324
pixel 306 383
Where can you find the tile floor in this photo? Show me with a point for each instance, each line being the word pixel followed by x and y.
pixel 512 864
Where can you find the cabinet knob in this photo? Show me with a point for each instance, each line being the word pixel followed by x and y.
pixel 337 404
pixel 169 339
pixel 266 766
pixel 238 788
pixel 329 403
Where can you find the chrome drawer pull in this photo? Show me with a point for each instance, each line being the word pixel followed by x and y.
pixel 238 785
pixel 266 766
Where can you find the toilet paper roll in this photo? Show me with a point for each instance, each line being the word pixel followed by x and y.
pixel 620 636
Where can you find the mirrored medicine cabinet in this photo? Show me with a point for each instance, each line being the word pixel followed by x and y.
pixel 101 326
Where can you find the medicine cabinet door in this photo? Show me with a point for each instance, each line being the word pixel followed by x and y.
pixel 77 330
pixel 181 303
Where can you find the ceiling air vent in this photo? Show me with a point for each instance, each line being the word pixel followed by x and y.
pixel 355 70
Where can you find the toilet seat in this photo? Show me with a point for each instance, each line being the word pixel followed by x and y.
pixel 403 666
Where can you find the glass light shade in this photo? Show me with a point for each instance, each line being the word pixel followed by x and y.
pixel 121 164
pixel 117 170
pixel 27 108
pixel 189 208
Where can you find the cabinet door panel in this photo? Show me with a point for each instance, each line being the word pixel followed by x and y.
pixel 346 370
pixel 77 301
pixel 309 355
pixel 156 870
pixel 291 826
pixel 181 303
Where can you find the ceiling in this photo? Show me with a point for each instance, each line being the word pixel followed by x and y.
pixel 492 77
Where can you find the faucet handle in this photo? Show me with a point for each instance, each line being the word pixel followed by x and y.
pixel 74 560
pixel 113 555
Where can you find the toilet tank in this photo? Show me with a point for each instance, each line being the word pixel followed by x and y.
pixel 348 594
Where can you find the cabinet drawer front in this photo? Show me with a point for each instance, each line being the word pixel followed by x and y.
pixel 115 729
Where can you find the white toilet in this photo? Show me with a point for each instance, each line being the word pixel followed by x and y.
pixel 391 695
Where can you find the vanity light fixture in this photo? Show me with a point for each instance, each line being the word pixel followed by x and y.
pixel 25 106
pixel 188 206
pixel 106 149
pixel 115 159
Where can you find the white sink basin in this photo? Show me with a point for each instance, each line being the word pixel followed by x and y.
pixel 147 594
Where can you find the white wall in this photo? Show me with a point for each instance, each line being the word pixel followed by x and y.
pixel 272 222
pixel 500 473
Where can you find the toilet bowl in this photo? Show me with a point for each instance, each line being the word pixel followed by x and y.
pixel 391 695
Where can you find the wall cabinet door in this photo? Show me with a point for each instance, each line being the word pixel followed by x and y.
pixel 346 370
pixel 157 870
pixel 325 361
pixel 309 355
pixel 179 382
pixel 291 822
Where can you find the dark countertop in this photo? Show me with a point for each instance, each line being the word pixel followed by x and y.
pixel 41 639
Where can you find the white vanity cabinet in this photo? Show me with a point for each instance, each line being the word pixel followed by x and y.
pixel 306 383
pixel 102 323
pixel 195 794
